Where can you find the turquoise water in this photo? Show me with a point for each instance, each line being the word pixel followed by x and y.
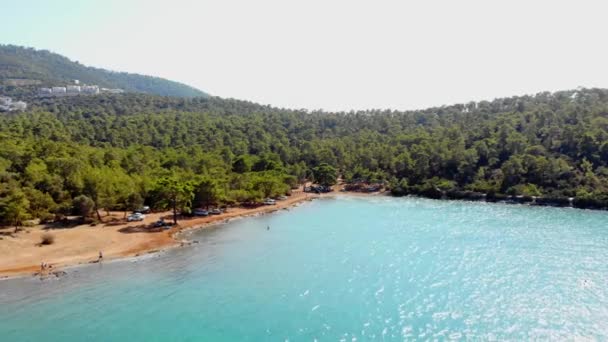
pixel 350 268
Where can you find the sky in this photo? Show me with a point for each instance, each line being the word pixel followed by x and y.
pixel 332 55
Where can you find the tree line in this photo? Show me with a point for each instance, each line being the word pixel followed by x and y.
pixel 119 151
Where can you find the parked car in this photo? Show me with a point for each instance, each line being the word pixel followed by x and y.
pixel 318 189
pixel 282 198
pixel 136 217
pixel 200 212
pixel 143 210
pixel 215 211
pixel 162 223
pixel 270 201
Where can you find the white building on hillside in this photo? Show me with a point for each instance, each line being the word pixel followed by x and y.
pixel 7 104
pixel 92 89
pixel 45 91
pixel 19 105
pixel 73 89
pixel 59 90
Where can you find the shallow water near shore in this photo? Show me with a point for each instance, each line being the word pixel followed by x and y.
pixel 345 268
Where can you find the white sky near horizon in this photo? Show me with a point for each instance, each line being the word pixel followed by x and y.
pixel 334 55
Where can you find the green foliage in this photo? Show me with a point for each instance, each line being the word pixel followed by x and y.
pixel 41 204
pixel 83 205
pixel 53 69
pixel 175 193
pixel 208 192
pixel 269 184
pixel 134 201
pixel 121 150
pixel 524 190
pixel 325 174
pixel 242 164
pixel 402 188
pixel 13 205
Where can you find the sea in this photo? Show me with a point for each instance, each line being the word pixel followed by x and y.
pixel 347 268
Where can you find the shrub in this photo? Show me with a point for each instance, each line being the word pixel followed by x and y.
pixel 47 239
pixel 83 205
pixel 401 189
pixel 524 190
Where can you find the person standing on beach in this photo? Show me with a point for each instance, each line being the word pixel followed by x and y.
pixel 100 256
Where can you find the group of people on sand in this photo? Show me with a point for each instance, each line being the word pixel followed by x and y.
pixel 44 266
pixel 47 267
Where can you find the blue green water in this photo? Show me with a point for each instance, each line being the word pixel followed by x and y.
pixel 351 269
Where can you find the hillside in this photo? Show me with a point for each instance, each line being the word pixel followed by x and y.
pixel 117 151
pixel 43 68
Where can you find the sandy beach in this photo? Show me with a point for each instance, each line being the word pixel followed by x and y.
pixel 22 253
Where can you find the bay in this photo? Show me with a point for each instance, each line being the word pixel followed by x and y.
pixel 346 268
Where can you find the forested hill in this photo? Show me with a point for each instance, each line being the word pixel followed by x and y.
pixel 42 67
pixel 119 150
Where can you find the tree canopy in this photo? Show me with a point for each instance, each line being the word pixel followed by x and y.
pixel 116 149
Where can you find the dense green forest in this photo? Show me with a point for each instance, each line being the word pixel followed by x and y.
pixel 52 69
pixel 67 155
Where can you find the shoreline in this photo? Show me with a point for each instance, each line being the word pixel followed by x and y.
pixel 26 263
pixel 120 241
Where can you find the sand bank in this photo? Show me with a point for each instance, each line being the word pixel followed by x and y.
pixel 21 252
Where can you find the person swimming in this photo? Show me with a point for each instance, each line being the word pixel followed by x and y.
pixel 268 228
